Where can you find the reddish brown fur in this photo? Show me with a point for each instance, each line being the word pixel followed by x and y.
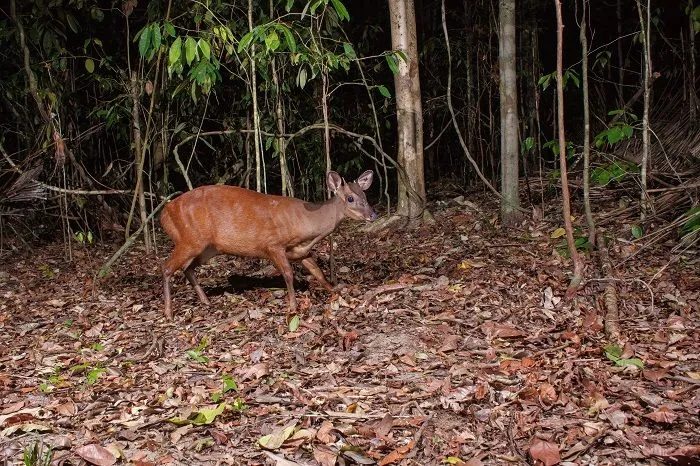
pixel 212 220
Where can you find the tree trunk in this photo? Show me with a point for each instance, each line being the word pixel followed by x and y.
pixel 586 131
pixel 566 208
pixel 256 118
pixel 411 199
pixel 510 201
pixel 645 24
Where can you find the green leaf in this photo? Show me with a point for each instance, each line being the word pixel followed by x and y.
pixel 314 6
pixel 288 6
pixel 349 51
pixel 202 417
pixel 205 48
pixel 614 135
pixel 393 63
pixel 156 38
pixel 169 29
pixel 194 354
pixel 637 231
pixel 144 41
pixel 294 323
pixel 630 362
pixel 341 10
pixel 72 23
pixel 175 51
pixel 558 233
pixel 229 384
pixel 288 38
pixel 207 416
pixel 272 41
pixel 190 49
pixel 89 65
pixel 613 352
pixel 384 91
pixel 245 41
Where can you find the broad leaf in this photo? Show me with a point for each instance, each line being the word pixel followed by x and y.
pixel 145 41
pixel 205 48
pixel 341 10
pixel 175 51
pixel 190 50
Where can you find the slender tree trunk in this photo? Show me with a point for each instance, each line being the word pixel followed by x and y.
pixel 138 160
pixel 566 208
pixel 510 201
pixel 645 26
pixel 256 118
pixel 411 199
pixel 287 185
pixel 586 130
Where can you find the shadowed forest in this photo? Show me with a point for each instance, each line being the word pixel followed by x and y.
pixel 344 232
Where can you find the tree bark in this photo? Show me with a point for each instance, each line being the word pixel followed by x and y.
pixel 411 183
pixel 566 207
pixel 510 201
pixel 586 131
pixel 645 24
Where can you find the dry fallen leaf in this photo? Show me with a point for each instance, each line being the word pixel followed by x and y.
pixel 662 415
pixel 546 452
pixel 96 454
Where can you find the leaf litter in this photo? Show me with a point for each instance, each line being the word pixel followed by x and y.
pixel 450 344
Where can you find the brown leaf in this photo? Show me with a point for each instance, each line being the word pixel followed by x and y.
pixel 66 409
pixel 96 454
pixel 324 432
pixel 325 456
pixel 662 415
pixel 546 452
pixel 450 343
pixel 384 426
pixel 496 330
pixel 255 371
pixel 398 454
pixel 654 376
pixel 547 393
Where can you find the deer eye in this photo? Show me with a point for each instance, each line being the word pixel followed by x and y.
pixel 351 199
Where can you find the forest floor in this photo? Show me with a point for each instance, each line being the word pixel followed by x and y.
pixel 451 344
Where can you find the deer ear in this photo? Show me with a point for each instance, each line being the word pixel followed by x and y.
pixel 365 180
pixel 334 181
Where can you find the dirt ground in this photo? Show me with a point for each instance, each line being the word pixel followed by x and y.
pixel 452 344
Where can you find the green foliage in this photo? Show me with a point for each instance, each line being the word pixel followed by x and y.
pixel 637 231
pixel 568 75
pixel 613 172
pixel 229 385
pixel 602 60
pixel 84 238
pixel 553 145
pixel 196 353
pixel 692 223
pixel 614 353
pixel 200 418
pixel 527 145
pixel 622 129
pixel 695 17
pixel 37 455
